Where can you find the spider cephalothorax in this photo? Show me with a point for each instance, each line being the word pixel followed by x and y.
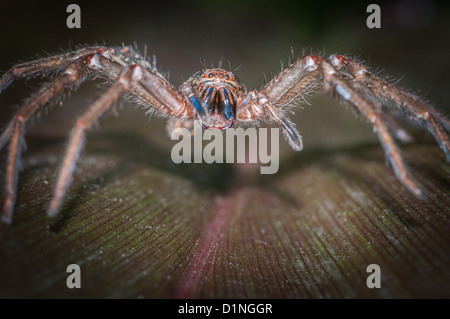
pixel 216 98
pixel 217 91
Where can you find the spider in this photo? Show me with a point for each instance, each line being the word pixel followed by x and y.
pixel 216 98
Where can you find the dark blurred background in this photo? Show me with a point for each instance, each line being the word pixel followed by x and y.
pixel 251 36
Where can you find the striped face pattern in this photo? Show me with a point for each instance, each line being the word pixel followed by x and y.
pixel 218 91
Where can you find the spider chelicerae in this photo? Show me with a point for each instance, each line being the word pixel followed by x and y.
pixel 216 98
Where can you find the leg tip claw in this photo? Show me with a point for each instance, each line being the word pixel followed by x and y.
pixel 6 219
pixel 52 213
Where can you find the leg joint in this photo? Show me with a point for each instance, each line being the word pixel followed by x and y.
pixel 373 117
pixel 424 115
pixel 81 124
pixel 361 73
pixel 337 60
pixel 104 52
pixel 19 118
pixel 72 73
pixel 312 62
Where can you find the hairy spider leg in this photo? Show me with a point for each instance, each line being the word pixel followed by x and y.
pixel 152 90
pixel 15 130
pixel 77 137
pixel 304 77
pixel 46 66
pixel 143 83
pixel 290 87
pixel 371 110
pixel 158 92
pixel 411 105
pixel 396 129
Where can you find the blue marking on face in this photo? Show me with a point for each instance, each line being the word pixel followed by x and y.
pixel 197 105
pixel 228 106
pixel 207 100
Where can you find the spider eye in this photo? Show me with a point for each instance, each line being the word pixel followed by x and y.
pixel 210 75
pixel 227 77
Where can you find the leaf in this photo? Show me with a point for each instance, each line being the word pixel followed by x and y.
pixel 139 225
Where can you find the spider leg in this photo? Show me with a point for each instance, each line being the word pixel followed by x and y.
pixel 417 110
pixel 14 132
pixel 153 88
pixel 287 89
pixel 399 133
pixel 390 115
pixel 372 111
pixel 150 89
pixel 145 85
pixel 15 150
pixel 77 137
pixel 45 66
pixel 306 75
pixel 178 124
